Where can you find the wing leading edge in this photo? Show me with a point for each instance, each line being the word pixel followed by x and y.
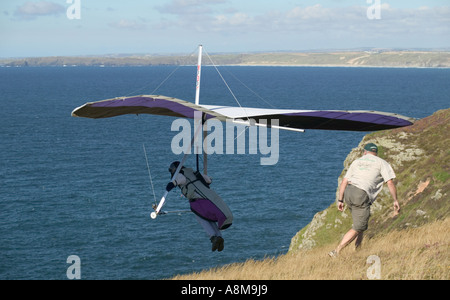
pixel 350 120
pixel 145 104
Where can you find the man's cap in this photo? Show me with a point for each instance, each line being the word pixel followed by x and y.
pixel 371 147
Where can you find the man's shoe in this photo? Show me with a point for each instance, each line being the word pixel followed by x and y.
pixel 220 242
pixel 217 243
pixel 214 243
pixel 333 253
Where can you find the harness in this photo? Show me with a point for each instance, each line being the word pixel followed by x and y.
pixel 195 183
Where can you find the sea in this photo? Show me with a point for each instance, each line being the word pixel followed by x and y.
pixel 76 194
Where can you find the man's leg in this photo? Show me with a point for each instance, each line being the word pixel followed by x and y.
pixel 359 239
pixel 359 206
pixel 214 233
pixel 347 239
pixel 210 227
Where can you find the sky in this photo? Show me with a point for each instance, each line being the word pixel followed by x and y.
pixel 31 28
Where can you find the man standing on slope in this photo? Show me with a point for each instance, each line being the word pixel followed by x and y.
pixel 359 189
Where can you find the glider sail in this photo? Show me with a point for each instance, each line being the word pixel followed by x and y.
pixel 348 120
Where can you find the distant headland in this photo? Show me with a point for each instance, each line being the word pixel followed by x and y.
pixel 342 58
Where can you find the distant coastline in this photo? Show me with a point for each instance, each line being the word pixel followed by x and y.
pixel 399 59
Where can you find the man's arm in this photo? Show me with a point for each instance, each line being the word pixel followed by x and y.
pixel 393 191
pixel 180 180
pixel 341 193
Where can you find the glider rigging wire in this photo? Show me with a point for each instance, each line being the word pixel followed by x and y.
pixel 248 88
pixel 226 84
pixel 162 82
pixel 229 89
pixel 149 174
pixel 170 75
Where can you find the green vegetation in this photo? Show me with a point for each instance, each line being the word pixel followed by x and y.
pixel 442 176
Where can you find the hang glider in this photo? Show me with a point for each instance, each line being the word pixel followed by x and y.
pixel 288 119
pixel 348 120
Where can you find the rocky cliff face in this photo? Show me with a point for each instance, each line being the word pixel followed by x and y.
pixel 420 156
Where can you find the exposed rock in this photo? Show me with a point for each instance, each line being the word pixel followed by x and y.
pixel 420 156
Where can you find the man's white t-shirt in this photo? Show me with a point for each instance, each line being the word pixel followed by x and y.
pixel 368 173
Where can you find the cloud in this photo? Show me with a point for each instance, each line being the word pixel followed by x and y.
pixel 350 21
pixel 32 10
pixel 237 19
pixel 189 7
pixel 306 26
pixel 127 24
pixel 309 13
pixel 197 15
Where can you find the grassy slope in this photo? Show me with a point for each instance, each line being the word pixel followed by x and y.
pixel 412 245
pixel 414 253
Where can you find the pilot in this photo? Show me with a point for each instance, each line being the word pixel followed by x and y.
pixel 210 210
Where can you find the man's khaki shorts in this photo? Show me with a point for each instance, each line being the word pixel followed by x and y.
pixel 358 202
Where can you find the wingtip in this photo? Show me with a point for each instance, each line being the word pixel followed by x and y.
pixel 74 112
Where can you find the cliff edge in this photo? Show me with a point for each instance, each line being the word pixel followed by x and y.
pixel 420 157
